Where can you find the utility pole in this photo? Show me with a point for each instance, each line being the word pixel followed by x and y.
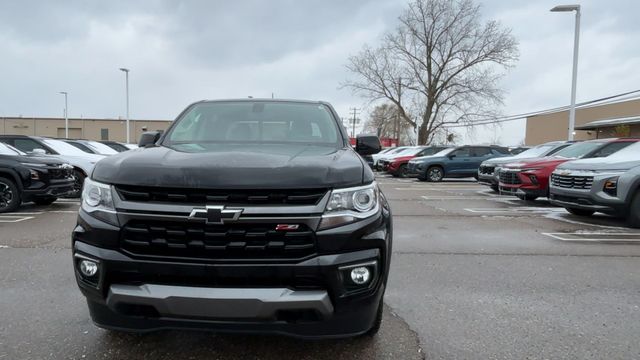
pixel 354 112
pixel 66 115
pixel 397 124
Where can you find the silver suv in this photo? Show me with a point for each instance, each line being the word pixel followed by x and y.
pixel 608 185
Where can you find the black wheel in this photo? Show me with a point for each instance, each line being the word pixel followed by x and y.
pixel 10 197
pixel 435 174
pixel 580 212
pixel 77 184
pixel 495 188
pixel 527 197
pixel 45 200
pixel 377 322
pixel 633 217
pixel 402 171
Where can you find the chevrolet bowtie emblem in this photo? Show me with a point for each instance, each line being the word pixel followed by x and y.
pixel 215 214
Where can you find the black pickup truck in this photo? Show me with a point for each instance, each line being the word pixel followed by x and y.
pixel 31 179
pixel 244 216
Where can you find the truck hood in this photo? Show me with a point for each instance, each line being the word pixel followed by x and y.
pixel 600 164
pixel 215 166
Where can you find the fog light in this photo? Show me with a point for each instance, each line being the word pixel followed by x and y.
pixel 88 268
pixel 360 275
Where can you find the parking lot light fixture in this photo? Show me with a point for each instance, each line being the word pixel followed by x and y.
pixel 576 41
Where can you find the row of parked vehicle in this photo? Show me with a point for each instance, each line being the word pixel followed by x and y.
pixel 41 169
pixel 583 177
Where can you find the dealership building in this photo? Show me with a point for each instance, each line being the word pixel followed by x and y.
pixel 618 119
pixel 92 129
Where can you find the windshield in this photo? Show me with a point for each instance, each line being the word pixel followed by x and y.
pixel 101 148
pixel 631 152
pixel 63 148
pixel 9 150
pixel 535 152
pixel 253 122
pixel 578 150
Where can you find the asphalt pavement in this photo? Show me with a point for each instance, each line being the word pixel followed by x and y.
pixel 475 275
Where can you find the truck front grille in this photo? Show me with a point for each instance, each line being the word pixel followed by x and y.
pixel 487 169
pixel 572 182
pixel 228 197
pixel 175 239
pixel 509 177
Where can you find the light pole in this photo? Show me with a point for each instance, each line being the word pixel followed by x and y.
pixel 126 74
pixel 66 115
pixel 576 42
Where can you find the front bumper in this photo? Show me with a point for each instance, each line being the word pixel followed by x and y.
pixel 592 199
pixel 58 189
pixel 310 297
pixel 486 179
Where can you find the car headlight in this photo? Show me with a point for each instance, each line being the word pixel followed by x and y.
pixel 611 186
pixel 350 204
pixel 97 200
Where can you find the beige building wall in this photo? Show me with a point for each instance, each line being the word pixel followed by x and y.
pixel 91 129
pixel 552 127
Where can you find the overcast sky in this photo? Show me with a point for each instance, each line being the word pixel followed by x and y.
pixel 183 51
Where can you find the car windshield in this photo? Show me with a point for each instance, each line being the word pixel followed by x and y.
pixel 535 152
pixel 256 122
pixel 579 150
pixel 63 148
pixel 101 148
pixel 9 150
pixel 631 152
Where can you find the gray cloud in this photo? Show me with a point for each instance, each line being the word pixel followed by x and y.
pixel 182 51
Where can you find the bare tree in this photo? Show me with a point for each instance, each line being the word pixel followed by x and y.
pixel 440 66
pixel 385 121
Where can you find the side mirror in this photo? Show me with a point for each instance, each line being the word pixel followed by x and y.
pixel 451 156
pixel 149 138
pixel 368 145
pixel 39 151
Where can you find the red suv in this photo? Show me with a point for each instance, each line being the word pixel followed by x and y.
pixel 397 166
pixel 529 179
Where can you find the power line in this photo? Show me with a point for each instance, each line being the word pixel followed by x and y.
pixel 501 119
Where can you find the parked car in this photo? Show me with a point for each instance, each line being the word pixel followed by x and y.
pixel 529 179
pixel 381 158
pixel 397 166
pixel 487 174
pixel 119 147
pixel 91 147
pixel 130 146
pixel 608 185
pixel 462 161
pixel 246 216
pixel 519 149
pixel 31 179
pixel 81 161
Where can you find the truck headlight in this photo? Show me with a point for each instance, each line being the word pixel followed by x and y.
pixel 97 200
pixel 350 204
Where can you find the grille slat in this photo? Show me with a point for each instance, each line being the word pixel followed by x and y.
pixel 229 197
pixel 572 182
pixel 228 242
pixel 487 170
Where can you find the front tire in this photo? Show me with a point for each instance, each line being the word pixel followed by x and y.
pixel 10 197
pixel 633 218
pixel 435 174
pixel 401 172
pixel 527 197
pixel 77 183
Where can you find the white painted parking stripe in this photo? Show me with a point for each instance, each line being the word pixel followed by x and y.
pixel 454 197
pixel 596 236
pixel 515 209
pixel 13 219
pixel 418 188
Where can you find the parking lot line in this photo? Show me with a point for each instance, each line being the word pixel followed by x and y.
pixel 454 197
pixel 418 188
pixel 13 219
pixel 596 236
pixel 515 209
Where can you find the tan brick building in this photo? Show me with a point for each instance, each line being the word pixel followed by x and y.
pixel 592 122
pixel 92 129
